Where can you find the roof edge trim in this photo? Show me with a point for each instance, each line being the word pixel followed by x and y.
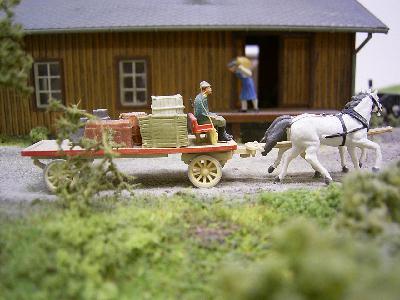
pixel 209 28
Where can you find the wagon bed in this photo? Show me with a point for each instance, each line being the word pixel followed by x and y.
pixel 205 162
pixel 49 149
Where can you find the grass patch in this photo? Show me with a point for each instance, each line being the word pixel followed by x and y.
pixel 156 248
pixel 394 89
pixel 21 141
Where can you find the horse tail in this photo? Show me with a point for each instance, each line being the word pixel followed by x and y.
pixel 275 132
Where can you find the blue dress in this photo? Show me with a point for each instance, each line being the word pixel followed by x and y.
pixel 248 91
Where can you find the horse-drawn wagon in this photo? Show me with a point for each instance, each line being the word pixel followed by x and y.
pixel 206 157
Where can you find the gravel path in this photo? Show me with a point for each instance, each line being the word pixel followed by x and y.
pixel 21 181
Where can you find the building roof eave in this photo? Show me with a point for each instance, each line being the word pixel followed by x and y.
pixel 209 28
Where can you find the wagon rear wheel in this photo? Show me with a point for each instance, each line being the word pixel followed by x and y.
pixel 204 171
pixel 57 173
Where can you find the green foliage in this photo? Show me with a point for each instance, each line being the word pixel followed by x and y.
pixel 15 64
pixel 393 121
pixel 165 248
pixel 376 121
pixel 371 202
pixel 321 205
pixel 309 263
pixel 394 89
pixel 84 179
pixel 38 133
pixel 22 141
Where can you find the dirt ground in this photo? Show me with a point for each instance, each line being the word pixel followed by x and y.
pixel 20 180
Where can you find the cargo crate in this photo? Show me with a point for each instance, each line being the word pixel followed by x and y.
pixel 164 131
pixel 122 131
pixel 167 105
pixel 132 117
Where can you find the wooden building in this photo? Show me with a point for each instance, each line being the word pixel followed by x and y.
pixel 116 54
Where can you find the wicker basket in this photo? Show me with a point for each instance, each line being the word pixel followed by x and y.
pixel 164 131
pixel 167 105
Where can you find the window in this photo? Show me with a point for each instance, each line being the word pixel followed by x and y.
pixel 47 82
pixel 133 82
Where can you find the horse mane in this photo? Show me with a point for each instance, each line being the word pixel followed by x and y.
pixel 355 100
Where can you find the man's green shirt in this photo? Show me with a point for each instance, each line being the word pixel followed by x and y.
pixel 201 111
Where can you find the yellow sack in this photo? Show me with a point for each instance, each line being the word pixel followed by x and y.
pixel 244 61
pixel 213 137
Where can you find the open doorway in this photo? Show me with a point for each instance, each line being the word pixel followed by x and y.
pixel 264 53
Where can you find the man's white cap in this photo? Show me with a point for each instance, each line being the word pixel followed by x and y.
pixel 204 84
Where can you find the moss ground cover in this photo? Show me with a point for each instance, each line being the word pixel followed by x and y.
pixel 340 242
pixel 145 247
pixel 22 141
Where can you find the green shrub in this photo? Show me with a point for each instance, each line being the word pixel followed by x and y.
pixel 321 205
pixel 371 202
pixel 85 180
pixel 38 133
pixel 164 248
pixel 22 141
pixel 393 121
pixel 309 263
pixel 376 121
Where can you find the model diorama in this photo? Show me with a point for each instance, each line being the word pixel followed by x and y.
pixel 165 132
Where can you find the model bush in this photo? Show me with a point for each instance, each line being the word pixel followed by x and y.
pixel 371 202
pixel 321 205
pixel 306 262
pixel 80 178
pixel 15 63
pixel 38 134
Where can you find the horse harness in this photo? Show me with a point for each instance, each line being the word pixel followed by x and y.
pixel 355 115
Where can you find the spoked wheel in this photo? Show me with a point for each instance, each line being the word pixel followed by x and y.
pixel 57 173
pixel 204 171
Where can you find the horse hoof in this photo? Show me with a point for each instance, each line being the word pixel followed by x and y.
pixel 360 164
pixel 317 175
pixel 327 181
pixel 271 169
pixel 277 179
pixel 345 169
pixel 264 153
pixel 375 169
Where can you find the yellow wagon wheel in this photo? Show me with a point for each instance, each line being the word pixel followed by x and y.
pixel 57 173
pixel 204 171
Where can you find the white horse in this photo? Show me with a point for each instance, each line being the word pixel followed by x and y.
pixel 348 128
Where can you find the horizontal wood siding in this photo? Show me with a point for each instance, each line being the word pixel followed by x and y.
pixel 332 55
pixel 295 72
pixel 177 61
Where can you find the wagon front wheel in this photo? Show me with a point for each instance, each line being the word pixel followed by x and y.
pixel 204 171
pixel 57 173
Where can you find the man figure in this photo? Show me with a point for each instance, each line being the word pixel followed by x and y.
pixel 203 115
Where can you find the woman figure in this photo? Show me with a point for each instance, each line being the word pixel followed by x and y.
pixel 241 68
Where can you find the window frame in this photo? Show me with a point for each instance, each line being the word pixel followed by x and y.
pixel 120 81
pixel 36 77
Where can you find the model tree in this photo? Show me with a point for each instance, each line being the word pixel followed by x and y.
pixel 15 63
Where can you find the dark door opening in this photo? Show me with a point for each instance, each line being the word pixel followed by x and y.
pixel 264 51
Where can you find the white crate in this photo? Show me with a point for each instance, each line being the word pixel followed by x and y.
pixel 167 105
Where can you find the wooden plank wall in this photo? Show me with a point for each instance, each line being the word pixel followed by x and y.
pixel 178 61
pixel 295 72
pixel 331 72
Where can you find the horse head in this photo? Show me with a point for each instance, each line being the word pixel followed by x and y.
pixel 363 98
pixel 377 106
